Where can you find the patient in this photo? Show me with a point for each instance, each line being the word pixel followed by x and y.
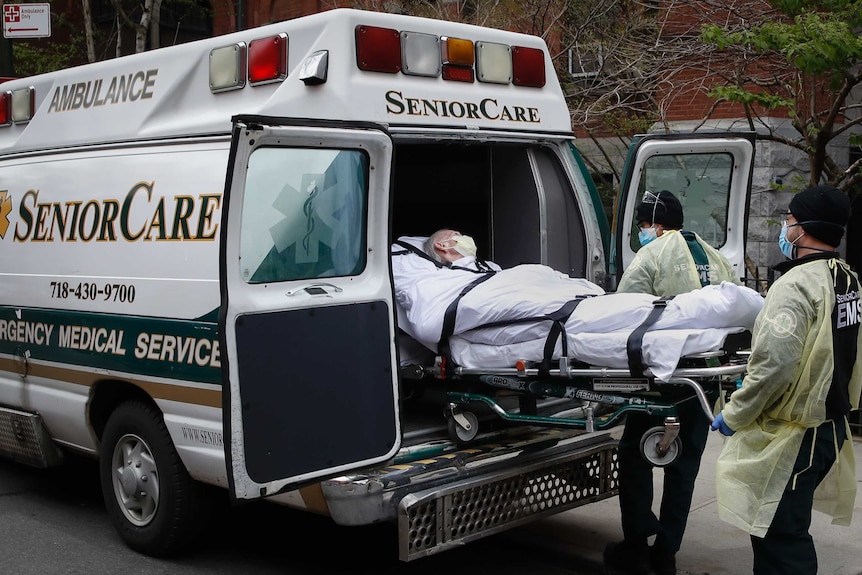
pixel 491 316
pixel 432 273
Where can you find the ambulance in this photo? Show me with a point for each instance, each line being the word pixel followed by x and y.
pixel 195 273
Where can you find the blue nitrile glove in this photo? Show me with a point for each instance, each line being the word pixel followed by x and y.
pixel 719 424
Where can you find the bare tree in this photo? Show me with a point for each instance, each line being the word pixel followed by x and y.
pixel 147 24
pixel 88 30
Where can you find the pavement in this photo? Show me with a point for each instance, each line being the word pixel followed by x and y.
pixel 710 546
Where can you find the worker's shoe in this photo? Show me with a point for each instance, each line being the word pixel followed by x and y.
pixel 662 562
pixel 626 558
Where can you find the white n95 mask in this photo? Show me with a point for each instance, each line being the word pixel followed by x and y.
pixel 464 245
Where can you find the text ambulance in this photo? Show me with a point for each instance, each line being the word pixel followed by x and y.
pixel 195 282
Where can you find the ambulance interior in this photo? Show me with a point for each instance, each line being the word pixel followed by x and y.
pixel 511 198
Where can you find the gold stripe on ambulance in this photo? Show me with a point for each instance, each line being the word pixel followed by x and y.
pixel 183 392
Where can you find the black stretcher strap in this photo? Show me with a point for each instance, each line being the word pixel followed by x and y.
pixel 451 314
pixel 558 329
pixel 634 344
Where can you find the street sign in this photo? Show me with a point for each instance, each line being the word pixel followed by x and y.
pixel 27 20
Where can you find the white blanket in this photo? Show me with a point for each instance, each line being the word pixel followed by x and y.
pixel 597 330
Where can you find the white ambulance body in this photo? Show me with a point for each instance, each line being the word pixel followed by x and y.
pixel 209 225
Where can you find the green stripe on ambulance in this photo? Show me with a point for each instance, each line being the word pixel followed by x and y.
pixel 177 349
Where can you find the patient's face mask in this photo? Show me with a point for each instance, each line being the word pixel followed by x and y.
pixel 464 245
pixel 646 235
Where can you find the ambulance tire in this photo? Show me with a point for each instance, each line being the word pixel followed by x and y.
pixel 155 506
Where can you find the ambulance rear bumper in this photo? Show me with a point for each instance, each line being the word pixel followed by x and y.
pixel 461 496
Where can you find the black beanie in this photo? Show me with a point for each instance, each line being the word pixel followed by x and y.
pixel 662 208
pixel 823 212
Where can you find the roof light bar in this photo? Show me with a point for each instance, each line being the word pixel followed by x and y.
pixel 378 49
pixel 528 67
pixel 493 63
pixel 23 102
pixel 227 67
pixel 420 54
pixel 267 60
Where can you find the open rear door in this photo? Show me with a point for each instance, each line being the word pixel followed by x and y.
pixel 711 176
pixel 306 321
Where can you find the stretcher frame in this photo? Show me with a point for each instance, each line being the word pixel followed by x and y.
pixel 610 393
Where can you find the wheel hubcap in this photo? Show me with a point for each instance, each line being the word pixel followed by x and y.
pixel 136 484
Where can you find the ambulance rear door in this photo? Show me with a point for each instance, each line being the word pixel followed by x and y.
pixel 306 322
pixel 710 173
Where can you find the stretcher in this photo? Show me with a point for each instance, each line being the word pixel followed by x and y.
pixel 532 333
pixel 601 396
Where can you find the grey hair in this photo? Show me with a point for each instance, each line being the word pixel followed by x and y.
pixel 429 244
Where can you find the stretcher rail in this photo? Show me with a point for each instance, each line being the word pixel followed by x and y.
pixel 599 388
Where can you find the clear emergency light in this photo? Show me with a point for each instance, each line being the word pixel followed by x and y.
pixel 421 54
pixel 17 106
pixel 23 102
pixel 496 62
pixel 227 67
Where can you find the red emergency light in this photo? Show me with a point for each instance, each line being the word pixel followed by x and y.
pixel 528 67
pixel 457 73
pixel 267 60
pixel 378 49
pixel 5 108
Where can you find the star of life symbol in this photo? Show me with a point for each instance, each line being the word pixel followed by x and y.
pixel 310 217
pixel 5 210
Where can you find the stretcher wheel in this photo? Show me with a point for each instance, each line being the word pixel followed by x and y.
pixel 463 427
pixel 649 447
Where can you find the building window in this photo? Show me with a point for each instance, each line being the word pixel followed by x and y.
pixel 585 61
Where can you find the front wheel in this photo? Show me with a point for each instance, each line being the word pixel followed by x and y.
pixel 463 427
pixel 650 444
pixel 154 504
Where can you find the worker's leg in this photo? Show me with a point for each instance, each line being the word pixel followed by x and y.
pixel 635 480
pixel 635 498
pixel 679 477
pixel 788 547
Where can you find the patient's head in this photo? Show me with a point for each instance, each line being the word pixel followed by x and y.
pixel 449 245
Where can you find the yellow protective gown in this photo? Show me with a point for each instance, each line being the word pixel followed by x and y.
pixel 784 394
pixel 666 267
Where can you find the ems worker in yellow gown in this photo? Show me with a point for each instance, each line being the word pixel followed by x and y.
pixel 789 446
pixel 671 261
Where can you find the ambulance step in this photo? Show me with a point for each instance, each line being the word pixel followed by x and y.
pixel 23 438
pixel 443 518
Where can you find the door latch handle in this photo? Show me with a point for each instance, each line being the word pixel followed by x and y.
pixel 320 288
